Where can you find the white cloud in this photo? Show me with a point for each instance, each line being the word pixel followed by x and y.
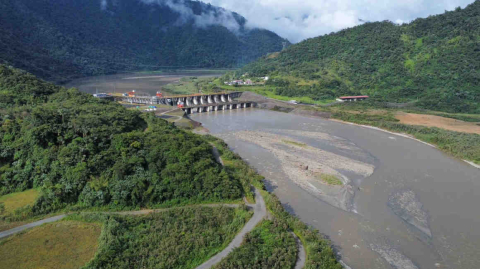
pixel 298 20
pixel 220 17
pixel 103 4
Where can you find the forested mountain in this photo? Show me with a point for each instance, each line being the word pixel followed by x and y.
pixel 61 39
pixel 88 152
pixel 435 60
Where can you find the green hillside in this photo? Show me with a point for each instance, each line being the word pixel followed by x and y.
pixel 87 152
pixel 60 40
pixel 434 62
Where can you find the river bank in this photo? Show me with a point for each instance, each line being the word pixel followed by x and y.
pixel 442 133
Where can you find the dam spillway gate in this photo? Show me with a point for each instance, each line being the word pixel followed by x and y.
pixel 216 107
pixel 195 103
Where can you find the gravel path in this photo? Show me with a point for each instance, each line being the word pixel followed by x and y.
pixel 215 152
pixel 302 256
pixel 260 211
pixel 30 225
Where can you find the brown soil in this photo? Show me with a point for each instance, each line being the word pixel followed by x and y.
pixel 440 122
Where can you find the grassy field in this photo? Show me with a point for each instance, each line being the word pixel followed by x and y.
pixel 66 244
pixel 190 85
pixel 178 238
pixel 269 245
pixel 14 208
pixel 14 201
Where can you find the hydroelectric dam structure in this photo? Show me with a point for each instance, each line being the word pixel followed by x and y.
pixel 194 103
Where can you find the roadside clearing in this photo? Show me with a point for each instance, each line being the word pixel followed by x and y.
pixel 439 122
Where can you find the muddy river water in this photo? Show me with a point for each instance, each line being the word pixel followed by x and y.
pixel 408 205
pixel 403 204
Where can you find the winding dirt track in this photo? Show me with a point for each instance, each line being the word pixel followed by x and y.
pixel 260 212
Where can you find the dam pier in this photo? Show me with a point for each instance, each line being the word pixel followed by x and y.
pixel 194 103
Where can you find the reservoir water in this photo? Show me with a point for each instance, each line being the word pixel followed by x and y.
pixel 418 209
pixel 404 205
pixel 145 82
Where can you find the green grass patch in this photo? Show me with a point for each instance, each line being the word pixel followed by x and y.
pixel 331 179
pixel 269 245
pixel 66 244
pixel 178 238
pixel 294 143
pixel 14 201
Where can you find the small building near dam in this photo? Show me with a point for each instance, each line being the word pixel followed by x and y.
pixel 352 98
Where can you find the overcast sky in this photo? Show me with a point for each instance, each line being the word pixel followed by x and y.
pixel 297 20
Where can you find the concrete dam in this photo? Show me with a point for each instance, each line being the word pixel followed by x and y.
pixel 195 103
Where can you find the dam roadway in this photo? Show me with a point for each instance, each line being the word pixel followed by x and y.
pixel 193 103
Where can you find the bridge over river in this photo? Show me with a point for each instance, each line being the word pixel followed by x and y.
pixel 194 103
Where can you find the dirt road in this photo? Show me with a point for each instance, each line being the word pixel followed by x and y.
pixel 260 212
pixel 30 225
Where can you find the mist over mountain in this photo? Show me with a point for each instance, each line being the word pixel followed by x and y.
pixel 62 39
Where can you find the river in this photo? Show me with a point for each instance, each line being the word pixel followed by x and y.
pixel 404 204
pixel 417 209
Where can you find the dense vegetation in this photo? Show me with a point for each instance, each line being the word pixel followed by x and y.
pixel 178 238
pixel 434 62
pixel 319 252
pixel 269 245
pixel 88 152
pixel 59 40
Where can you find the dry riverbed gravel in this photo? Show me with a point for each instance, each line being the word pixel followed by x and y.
pixel 305 164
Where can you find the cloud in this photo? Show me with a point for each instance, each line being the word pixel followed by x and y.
pixel 218 16
pixel 103 4
pixel 298 20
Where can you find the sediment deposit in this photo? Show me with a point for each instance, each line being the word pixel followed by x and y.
pixel 405 204
pixel 305 165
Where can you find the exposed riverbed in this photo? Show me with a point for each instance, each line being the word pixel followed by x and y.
pixel 403 204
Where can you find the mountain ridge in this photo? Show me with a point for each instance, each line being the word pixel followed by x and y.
pixel 434 62
pixel 71 39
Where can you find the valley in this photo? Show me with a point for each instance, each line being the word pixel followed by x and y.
pixel 380 211
pixel 180 134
